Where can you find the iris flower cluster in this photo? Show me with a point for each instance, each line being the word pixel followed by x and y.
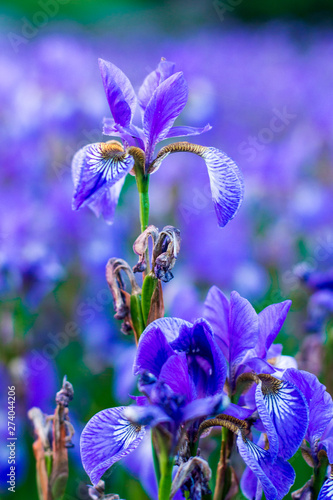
pixel 221 371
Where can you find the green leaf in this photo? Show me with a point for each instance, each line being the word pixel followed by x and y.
pixel 136 314
pixel 148 287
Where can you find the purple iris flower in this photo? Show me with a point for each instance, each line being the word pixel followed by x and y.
pixel 99 169
pixel 182 375
pixel 246 338
pixel 320 431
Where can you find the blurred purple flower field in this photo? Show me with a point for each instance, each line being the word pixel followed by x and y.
pixel 267 92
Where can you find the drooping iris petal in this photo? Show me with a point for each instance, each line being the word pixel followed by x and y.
pixel 326 492
pixel 249 484
pixel 107 437
pixel 326 441
pixel 243 330
pixel 97 167
pixel 288 410
pixel 267 422
pixel 105 204
pixel 271 320
pixel 319 401
pixel 165 105
pixel 216 312
pixel 276 476
pixel 153 350
pixel 226 183
pixel 186 131
pixel 206 363
pixel 119 92
pixel 140 464
pixel 163 71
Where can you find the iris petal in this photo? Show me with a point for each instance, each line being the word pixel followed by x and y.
pixel 319 401
pixel 243 330
pixel 216 312
pixel 107 437
pixel 271 320
pixel 175 374
pixel 186 131
pixel 95 168
pixel 276 476
pixel 226 183
pixel 207 365
pixel 119 92
pixel 165 105
pixel 153 80
pixel 106 203
pixel 153 351
pixel 288 411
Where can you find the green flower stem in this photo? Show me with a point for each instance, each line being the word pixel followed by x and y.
pixel 142 182
pixel 156 462
pixel 319 476
pixel 166 466
pixel 223 478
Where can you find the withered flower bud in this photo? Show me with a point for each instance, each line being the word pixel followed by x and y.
pixel 165 253
pixel 66 393
pixel 98 492
pixel 140 247
pixel 192 476
pixel 54 433
pixel 121 298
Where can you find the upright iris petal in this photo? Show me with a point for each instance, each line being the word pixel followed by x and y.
pixel 96 168
pixel 107 437
pixel 165 105
pixel 319 401
pixel 163 71
pixel 119 93
pixel 235 325
pixel 271 320
pixel 226 183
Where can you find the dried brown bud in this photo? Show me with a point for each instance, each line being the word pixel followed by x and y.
pixel 165 253
pixel 66 393
pixel 140 247
pixel 54 433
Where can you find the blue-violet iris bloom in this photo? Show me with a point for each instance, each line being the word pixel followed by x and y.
pixel 182 374
pixel 99 169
